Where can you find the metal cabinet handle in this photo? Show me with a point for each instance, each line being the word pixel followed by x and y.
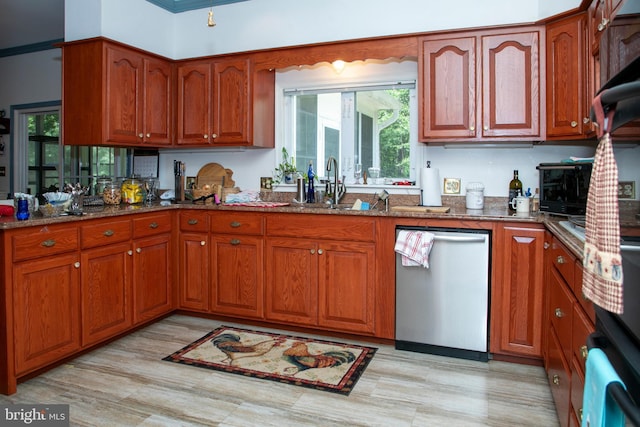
pixel 556 380
pixel 153 225
pixel 586 120
pixel 193 221
pixel 140 135
pixel 235 224
pixel 234 242
pixel 560 259
pixel 486 128
pixel 312 251
pixel 76 264
pixel 546 245
pixel 148 135
pixel 109 233
pixel 202 243
pixel 472 128
pixel 129 252
pixel 584 352
pixel 138 250
pixel 214 135
pixel 49 243
pixel 559 313
pixel 206 136
pixel 320 251
pixel 574 124
pixel 603 24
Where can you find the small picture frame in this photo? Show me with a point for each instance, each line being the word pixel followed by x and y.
pixel 452 186
pixel 191 182
pixel 626 189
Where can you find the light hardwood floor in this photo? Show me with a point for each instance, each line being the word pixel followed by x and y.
pixel 126 383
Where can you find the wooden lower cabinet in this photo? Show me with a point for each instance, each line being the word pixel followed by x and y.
pixel 237 275
pixel 321 283
pixel 46 309
pixel 193 293
pixel 518 291
pixel 152 260
pixel 106 291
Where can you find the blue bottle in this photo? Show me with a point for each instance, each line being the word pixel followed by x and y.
pixel 311 192
pixel 23 210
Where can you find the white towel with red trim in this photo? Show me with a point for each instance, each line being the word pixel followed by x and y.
pixel 415 247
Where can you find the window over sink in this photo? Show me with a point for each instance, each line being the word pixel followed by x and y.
pixel 364 115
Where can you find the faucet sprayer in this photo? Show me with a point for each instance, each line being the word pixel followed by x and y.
pixel 337 189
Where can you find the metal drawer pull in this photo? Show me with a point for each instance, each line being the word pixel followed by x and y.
pixel 574 124
pixel 546 245
pixel 153 225
pixel 312 251
pixel 109 233
pixel 559 313
pixel 560 259
pixel 556 380
pixel 235 224
pixel 320 251
pixel 76 264
pixel 235 242
pixel 584 352
pixel 49 243
pixel 202 243
pixel 193 221
pixel 129 252
pixel 138 250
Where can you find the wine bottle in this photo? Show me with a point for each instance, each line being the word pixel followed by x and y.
pixel 311 191
pixel 515 189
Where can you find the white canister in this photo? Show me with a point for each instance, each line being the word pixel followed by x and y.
pixel 475 195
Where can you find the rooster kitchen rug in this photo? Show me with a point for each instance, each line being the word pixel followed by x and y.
pixel 306 362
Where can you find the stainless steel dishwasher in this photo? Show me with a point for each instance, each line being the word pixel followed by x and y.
pixel 444 309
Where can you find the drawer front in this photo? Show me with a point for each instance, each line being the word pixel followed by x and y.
pixel 563 260
pixel 325 227
pixel 105 232
pixel 559 375
pixel 194 221
pixel 237 223
pixel 577 392
pixel 587 305
pixel 48 240
pixel 149 225
pixel 582 328
pixel 561 311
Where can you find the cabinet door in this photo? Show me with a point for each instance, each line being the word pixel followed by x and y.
pixel 157 102
pixel 123 96
pixel 194 104
pixel 194 271
pixel 106 291
pixel 346 278
pixel 232 103
pixel 559 375
pixel 510 85
pixel 151 277
pixel 567 101
pixel 238 275
pixel 46 307
pixel 448 82
pixel 521 291
pixel 291 281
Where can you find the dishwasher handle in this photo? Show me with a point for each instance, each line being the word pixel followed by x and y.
pixel 464 239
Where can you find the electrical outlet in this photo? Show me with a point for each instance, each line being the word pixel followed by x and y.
pixel 626 189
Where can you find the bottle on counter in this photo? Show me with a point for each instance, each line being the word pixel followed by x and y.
pixel 311 192
pixel 535 201
pixel 515 189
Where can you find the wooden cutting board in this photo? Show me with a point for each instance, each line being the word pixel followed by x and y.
pixel 213 174
pixel 423 209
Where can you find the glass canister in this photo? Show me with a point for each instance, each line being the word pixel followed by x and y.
pixel 132 191
pixel 101 184
pixel 475 195
pixel 112 195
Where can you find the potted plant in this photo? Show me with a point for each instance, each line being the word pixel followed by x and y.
pixel 286 170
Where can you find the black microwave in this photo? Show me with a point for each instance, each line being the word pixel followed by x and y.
pixel 564 187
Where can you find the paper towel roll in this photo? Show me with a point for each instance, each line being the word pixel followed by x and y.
pixel 430 186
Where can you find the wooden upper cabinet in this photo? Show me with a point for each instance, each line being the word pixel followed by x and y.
pixel 568 101
pixel 225 103
pixel 448 69
pixel 481 86
pixel 115 95
pixel 194 103
pixel 511 85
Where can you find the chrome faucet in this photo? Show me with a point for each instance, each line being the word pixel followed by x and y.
pixel 337 189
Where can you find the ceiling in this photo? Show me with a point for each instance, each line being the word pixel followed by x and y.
pixel 32 22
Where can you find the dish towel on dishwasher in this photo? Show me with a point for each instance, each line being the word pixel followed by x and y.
pixel 414 246
pixel 602 279
pixel 600 409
